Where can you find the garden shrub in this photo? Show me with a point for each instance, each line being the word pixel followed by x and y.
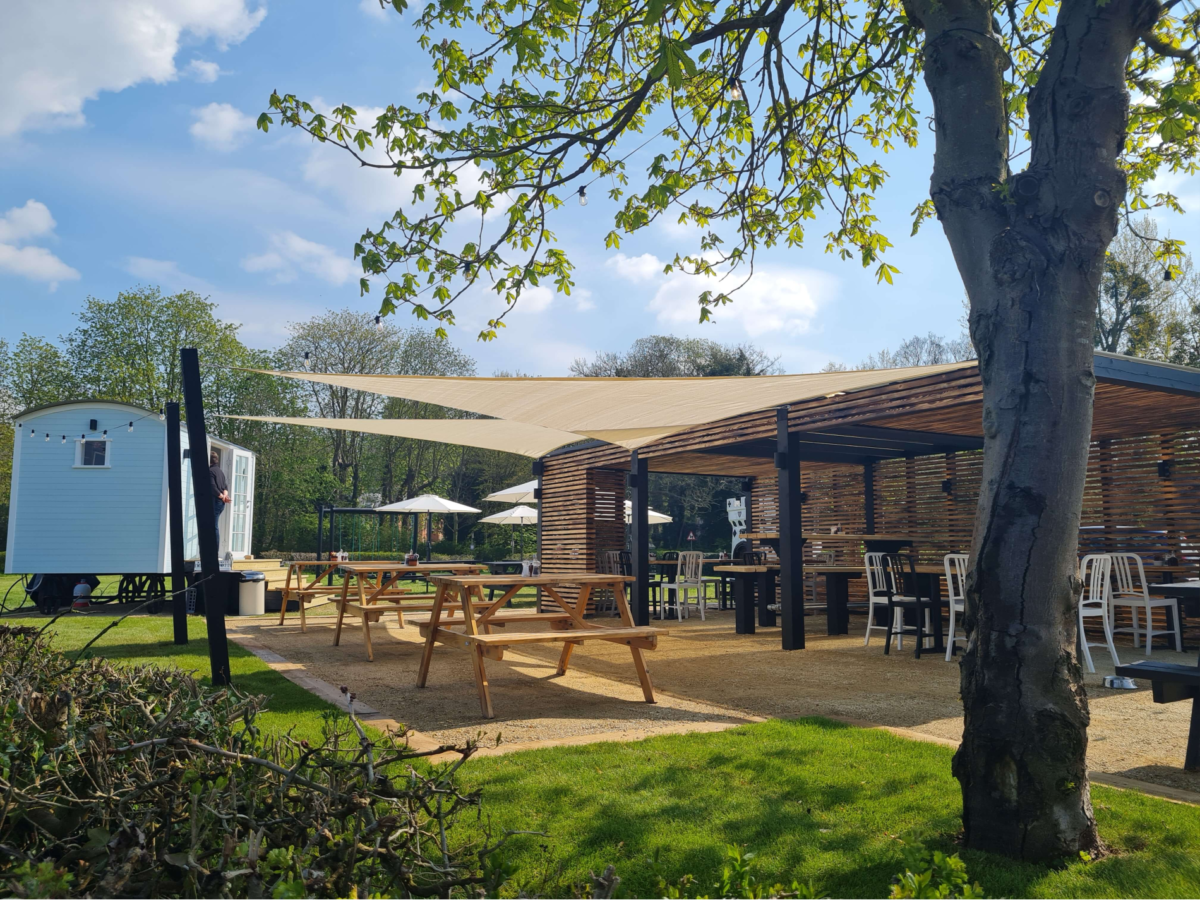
pixel 141 782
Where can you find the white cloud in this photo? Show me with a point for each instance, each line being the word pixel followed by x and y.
pixel 583 299
pixel 534 300
pixel 373 9
pixel 55 55
pixel 203 70
pixel 221 126
pixel 646 267
pixel 24 223
pixel 291 254
pixel 775 302
pixel 166 273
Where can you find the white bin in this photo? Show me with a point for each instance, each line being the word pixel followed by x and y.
pixel 252 594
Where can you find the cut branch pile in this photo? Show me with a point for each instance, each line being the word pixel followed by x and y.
pixel 141 782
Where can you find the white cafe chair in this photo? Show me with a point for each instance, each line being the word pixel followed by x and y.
pixel 1094 572
pixel 956 587
pixel 1130 590
pixel 687 580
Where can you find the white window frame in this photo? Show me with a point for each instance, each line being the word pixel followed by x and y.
pixel 79 442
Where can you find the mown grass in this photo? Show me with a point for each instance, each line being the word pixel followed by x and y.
pixel 149 639
pixel 815 800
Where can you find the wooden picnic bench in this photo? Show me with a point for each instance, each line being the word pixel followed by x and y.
pixel 567 625
pixel 376 591
pixel 1171 683
pixel 306 591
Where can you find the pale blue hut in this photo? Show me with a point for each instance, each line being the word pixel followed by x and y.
pixel 89 492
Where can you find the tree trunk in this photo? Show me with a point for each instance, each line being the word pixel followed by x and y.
pixel 1031 251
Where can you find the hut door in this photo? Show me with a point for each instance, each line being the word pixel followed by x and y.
pixel 240 504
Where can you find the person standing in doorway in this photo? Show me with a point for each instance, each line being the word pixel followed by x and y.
pixel 220 490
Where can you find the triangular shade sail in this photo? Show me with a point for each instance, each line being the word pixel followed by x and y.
pixel 520 493
pixel 488 434
pixel 626 411
pixel 518 515
pixel 427 503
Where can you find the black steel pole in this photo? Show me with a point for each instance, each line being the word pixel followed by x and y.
pixel 639 484
pixel 175 523
pixel 216 584
pixel 791 539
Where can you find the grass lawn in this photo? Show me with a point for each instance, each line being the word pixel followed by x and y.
pixel 148 639
pixel 813 799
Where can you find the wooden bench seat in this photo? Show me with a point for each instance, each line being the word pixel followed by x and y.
pixel 646 638
pixel 1171 683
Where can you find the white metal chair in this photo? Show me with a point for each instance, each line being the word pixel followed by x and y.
pixel 1094 572
pixel 1130 590
pixel 878 581
pixel 956 587
pixel 687 579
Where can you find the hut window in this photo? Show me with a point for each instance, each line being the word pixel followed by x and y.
pixel 91 454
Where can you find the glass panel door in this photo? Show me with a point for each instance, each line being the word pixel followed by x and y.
pixel 241 501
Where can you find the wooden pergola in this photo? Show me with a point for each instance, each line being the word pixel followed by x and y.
pixel 902 456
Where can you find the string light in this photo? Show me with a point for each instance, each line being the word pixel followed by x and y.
pixel 735 90
pixel 379 323
pixel 47 435
pixel 131 426
pixel 32 432
pixel 1167 276
pixel 64 438
pixel 307 360
pixel 161 415
pixel 105 432
pixel 583 196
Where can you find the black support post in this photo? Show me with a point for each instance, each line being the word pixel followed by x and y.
pixel 175 524
pixel 791 539
pixel 639 532
pixel 539 466
pixel 869 496
pixel 216 583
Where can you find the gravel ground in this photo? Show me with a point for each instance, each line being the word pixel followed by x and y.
pixel 705 675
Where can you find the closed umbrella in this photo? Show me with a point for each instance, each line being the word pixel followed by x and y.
pixel 520 493
pixel 428 504
pixel 518 515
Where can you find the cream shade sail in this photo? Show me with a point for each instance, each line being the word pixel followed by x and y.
pixel 520 493
pixel 630 412
pixel 488 434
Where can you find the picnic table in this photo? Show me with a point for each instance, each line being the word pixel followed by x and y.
pixel 306 591
pixel 478 617
pixel 377 592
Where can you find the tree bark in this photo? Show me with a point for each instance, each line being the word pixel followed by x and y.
pixel 1030 249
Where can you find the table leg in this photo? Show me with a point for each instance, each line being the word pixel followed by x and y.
pixel 564 658
pixel 766 596
pixel 935 594
pixel 435 618
pixel 287 592
pixel 366 622
pixel 481 682
pixel 743 603
pixel 639 662
pixel 1191 758
pixel 837 599
pixel 337 632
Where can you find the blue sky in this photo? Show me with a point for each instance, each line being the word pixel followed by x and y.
pixel 128 156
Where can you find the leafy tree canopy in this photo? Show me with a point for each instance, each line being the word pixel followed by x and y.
pixel 755 118
pixel 668 356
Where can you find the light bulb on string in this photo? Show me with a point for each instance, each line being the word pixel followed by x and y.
pixel 735 90
pixel 105 432
pixel 307 360
pixel 47 435
pixel 1167 276
pixel 64 439
pixel 583 196
pixel 161 415
pixel 131 426
pixel 379 323
pixel 32 432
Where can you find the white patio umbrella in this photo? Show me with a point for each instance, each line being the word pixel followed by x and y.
pixel 653 517
pixel 429 504
pixel 518 515
pixel 520 493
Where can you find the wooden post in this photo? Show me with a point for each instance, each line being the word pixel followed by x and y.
pixel 639 531
pixel 539 466
pixel 791 541
pixel 216 583
pixel 869 496
pixel 175 524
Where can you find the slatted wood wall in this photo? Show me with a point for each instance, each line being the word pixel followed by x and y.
pixel 1131 502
